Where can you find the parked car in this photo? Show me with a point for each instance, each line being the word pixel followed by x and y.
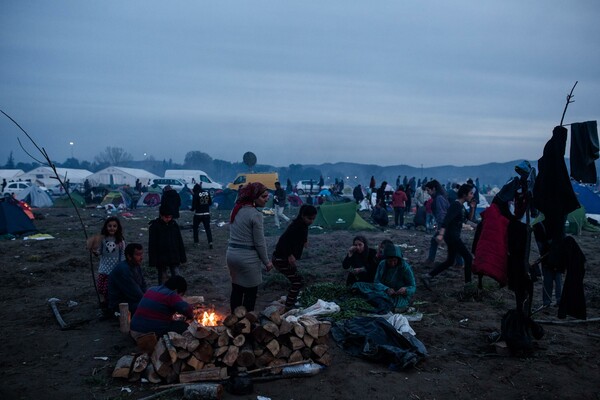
pixel 176 184
pixel 304 186
pixel 15 187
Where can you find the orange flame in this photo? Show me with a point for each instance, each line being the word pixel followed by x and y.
pixel 208 319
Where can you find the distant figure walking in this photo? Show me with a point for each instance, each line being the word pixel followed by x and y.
pixel 279 198
pixel 201 202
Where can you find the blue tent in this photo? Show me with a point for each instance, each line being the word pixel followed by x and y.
pixel 13 219
pixel 588 199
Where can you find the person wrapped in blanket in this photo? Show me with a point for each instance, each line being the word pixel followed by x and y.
pixel 394 284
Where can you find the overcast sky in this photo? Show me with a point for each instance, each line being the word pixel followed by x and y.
pixel 383 82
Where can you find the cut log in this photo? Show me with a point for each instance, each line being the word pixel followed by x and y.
pixel 264 359
pixel 231 356
pixel 219 351
pixel 306 353
pixel 325 359
pixel 240 312
pixel 178 340
pixel 174 372
pixel 296 343
pixel 242 326
pixel 124 318
pixel 260 335
pixel 205 391
pixel 135 376
pixel 320 349
pixel 161 359
pixel 204 352
pixel 192 344
pixel 324 328
pixel 273 347
pixel 311 326
pixel 223 339
pixel 239 340
pixel 151 374
pixel 123 367
pixel 285 327
pixel 271 327
pixel 308 340
pixel 182 354
pixel 252 316
pixel 195 363
pixel 141 362
pixel 230 320
pixel 246 357
pixel 322 340
pixel 206 374
pixel 199 331
pixel 298 329
pixel 273 313
pixel 284 352
pixel 295 356
pixel 170 348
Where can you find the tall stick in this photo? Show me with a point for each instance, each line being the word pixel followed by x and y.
pixel 569 97
pixel 56 176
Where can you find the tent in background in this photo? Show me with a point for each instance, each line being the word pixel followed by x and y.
pixel 116 176
pixel 185 195
pixel 35 196
pixel 117 198
pixel 588 199
pixel 149 199
pixel 341 216
pixel 10 174
pixel 13 219
pixel 64 201
pixel 225 199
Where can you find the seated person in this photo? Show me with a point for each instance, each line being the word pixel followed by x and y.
pixel 360 259
pixel 126 282
pixel 379 214
pixel 394 283
pixel 159 304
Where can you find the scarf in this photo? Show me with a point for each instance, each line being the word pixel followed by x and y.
pixel 248 193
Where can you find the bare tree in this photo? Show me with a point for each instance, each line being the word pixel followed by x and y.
pixel 113 156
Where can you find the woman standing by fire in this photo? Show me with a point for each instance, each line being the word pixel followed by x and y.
pixel 247 249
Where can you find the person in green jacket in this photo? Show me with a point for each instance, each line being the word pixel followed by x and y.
pixel 394 280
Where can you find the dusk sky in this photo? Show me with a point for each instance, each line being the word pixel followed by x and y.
pixel 383 82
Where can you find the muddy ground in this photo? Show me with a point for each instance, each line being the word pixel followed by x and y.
pixel 39 361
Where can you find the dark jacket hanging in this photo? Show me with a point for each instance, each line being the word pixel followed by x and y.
pixel 584 151
pixel 572 300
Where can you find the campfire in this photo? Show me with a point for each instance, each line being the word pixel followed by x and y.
pixel 207 317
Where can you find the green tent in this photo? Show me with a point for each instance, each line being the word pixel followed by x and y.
pixel 63 201
pixel 341 216
pixel 576 222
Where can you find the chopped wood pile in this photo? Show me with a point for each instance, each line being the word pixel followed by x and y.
pixel 246 341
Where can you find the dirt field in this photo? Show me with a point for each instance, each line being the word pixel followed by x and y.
pixel 39 361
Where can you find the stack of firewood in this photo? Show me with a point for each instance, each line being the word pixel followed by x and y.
pixel 246 341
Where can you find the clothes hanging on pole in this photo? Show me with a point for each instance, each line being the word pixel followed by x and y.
pixel 584 151
pixel 572 301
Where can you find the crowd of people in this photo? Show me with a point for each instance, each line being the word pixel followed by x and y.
pixel 380 274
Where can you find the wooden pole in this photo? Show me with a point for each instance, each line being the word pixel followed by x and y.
pixel 124 318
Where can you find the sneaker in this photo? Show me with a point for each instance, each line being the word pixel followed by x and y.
pixel 426 281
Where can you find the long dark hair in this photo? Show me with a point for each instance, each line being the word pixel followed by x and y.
pixel 435 185
pixel 361 238
pixel 306 210
pixel 118 233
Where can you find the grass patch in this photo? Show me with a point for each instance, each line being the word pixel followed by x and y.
pixel 350 305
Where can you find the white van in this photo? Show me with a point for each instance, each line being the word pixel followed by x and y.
pixel 193 176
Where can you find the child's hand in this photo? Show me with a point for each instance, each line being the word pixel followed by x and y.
pixel 269 266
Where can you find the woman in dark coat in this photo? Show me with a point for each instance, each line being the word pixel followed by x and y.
pixel 361 261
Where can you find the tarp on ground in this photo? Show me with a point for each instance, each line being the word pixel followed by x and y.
pixel 35 197
pixel 341 216
pixel 117 198
pixel 587 198
pixel 149 199
pixel 64 201
pixel 13 219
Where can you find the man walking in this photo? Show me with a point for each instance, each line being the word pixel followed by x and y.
pixel 279 198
